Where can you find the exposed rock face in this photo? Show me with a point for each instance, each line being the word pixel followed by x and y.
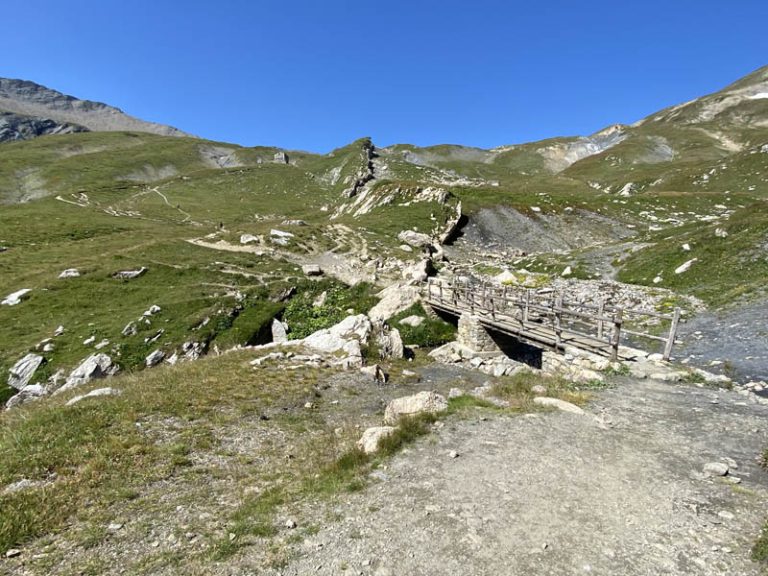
pixel 154 358
pixel 26 394
pixel 21 373
pixel 366 172
pixel 423 402
pixel 43 105
pixel 95 366
pixel 369 443
pixel 394 299
pixel 130 274
pixel 14 127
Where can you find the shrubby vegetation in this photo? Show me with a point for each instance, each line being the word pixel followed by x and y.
pixel 430 333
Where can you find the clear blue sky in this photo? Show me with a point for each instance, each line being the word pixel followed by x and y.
pixel 317 74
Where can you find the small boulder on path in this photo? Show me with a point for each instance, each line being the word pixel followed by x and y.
pixel 421 403
pixel 369 442
pixel 557 403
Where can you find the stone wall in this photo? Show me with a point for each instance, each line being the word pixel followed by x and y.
pixel 474 336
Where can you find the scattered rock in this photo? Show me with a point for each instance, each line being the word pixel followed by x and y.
pixel 455 393
pixel 557 403
pixel 453 454
pixel 70 273
pixel 59 331
pixel 369 442
pixel 28 393
pixel 130 329
pixel 279 333
pixel 130 274
pixel 13 553
pixel 716 469
pixel 312 270
pixel 154 309
pixel 93 394
pixel 686 266
pixel 249 238
pixel 320 300
pixel 15 297
pixel 413 321
pixel 90 340
pixel 154 358
pixel 375 373
pixel 394 299
pixel 290 524
pixel 415 239
pixel 423 402
pixel 280 237
pixel 103 344
pixel 21 373
pixel 95 366
pixel 538 389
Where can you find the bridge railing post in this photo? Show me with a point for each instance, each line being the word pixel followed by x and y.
pixel 617 321
pixel 672 334
pixel 527 304
pixel 558 320
pixel 600 312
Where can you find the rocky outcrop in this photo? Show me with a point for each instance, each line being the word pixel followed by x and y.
pixel 15 298
pixel 15 127
pixel 67 113
pixel 421 403
pixel 365 174
pixel 394 299
pixel 21 373
pixel 93 367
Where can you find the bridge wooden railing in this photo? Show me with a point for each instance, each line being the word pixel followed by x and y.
pixel 549 317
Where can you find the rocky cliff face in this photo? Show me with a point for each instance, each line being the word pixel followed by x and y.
pixel 18 127
pixel 41 108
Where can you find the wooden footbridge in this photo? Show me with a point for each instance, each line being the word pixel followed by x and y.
pixel 549 319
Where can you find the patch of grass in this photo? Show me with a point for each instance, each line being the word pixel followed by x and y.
pixel 304 318
pixel 431 332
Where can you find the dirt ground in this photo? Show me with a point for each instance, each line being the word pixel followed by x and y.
pixel 618 490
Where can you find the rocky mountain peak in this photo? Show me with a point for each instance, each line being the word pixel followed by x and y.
pixel 36 103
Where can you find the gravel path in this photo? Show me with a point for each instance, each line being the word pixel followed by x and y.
pixel 618 490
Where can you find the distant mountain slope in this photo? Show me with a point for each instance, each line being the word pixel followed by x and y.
pixel 27 99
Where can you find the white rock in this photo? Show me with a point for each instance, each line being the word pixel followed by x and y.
pixel 394 299
pixel 21 373
pixel 557 403
pixel 154 309
pixel 154 358
pixel 423 402
pixel 369 442
pixel 15 297
pixel 103 344
pixel 59 331
pixel 716 469
pixel 279 333
pixel 413 321
pixel 455 393
pixel 94 394
pixel 658 280
pixel 721 233
pixel 415 239
pixel 70 273
pixel 95 366
pixel 320 300
pixel 567 272
pixel 249 238
pixel 506 277
pixel 26 394
pixel 130 274
pixel 312 270
pixel 375 373
pixel 687 247
pixel 339 337
pixel 684 267
pixel 130 329
pixel 90 340
pixel 538 389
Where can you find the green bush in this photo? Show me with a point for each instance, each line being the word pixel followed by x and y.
pixel 432 332
pixel 303 318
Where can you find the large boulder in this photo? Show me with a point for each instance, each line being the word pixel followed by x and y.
pixel 21 373
pixel 26 394
pixel 369 443
pixel 394 299
pixel 95 366
pixel 421 403
pixel 15 297
pixel 279 333
pixel 345 338
pixel 415 239
pixel 389 342
pixel 419 271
